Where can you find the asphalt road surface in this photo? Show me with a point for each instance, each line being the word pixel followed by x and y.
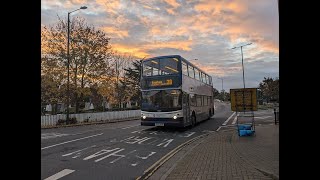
pixel 121 150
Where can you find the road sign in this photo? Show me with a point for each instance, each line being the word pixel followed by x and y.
pixel 250 99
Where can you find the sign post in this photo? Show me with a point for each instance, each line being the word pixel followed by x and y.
pixel 244 102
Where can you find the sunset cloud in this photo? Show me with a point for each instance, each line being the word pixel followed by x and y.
pixel 115 33
pixel 125 49
pixel 202 29
pixel 172 3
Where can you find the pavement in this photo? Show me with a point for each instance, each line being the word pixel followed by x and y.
pixel 224 155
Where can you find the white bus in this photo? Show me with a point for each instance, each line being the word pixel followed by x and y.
pixel 174 92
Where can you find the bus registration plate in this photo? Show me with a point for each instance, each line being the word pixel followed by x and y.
pixel 159 124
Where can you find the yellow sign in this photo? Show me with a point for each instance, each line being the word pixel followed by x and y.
pixel 250 99
pixel 161 83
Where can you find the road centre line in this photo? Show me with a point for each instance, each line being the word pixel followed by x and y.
pixel 60 174
pixel 70 141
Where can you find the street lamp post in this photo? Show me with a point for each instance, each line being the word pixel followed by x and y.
pixel 222 88
pixel 244 86
pixel 68 54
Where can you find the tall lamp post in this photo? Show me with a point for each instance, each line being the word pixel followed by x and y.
pixel 244 86
pixel 68 54
pixel 222 88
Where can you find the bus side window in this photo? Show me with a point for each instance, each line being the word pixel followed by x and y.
pixel 196 71
pixel 199 100
pixel 192 100
pixel 184 68
pixel 207 79
pixel 202 77
pixel 191 71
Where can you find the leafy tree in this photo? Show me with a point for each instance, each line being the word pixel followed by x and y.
pixel 215 93
pixel 270 89
pixel 90 55
pixel 133 75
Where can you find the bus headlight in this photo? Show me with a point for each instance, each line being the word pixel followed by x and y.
pixel 175 117
pixel 144 117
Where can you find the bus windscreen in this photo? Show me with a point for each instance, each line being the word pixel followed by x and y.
pixel 161 66
pixel 161 100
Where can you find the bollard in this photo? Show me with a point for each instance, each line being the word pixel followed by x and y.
pixel 275 116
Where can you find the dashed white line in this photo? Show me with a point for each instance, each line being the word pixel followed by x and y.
pixel 228 119
pixel 60 174
pixel 70 141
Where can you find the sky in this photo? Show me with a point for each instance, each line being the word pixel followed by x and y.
pixel 206 30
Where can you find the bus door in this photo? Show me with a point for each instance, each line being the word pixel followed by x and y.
pixel 186 108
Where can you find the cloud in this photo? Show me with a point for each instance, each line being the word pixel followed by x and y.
pixel 110 6
pixel 171 11
pixel 152 8
pixel 182 45
pixel 115 33
pixel 206 30
pixel 125 49
pixel 172 3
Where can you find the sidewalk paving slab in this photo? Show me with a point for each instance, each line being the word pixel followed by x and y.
pixel 225 155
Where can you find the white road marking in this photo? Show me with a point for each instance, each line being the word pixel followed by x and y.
pixel 146 157
pixel 71 141
pixel 165 140
pixel 234 120
pixel 78 151
pixel 134 164
pixel 228 119
pixel 188 134
pixel 103 151
pixel 52 135
pixel 60 174
pixel 263 112
pixel 129 127
pixel 263 117
pixel 219 128
pixel 120 156
pixel 207 131
pixel 135 139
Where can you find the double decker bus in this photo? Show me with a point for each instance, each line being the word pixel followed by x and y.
pixel 174 92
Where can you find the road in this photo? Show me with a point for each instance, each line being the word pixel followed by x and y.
pixel 121 150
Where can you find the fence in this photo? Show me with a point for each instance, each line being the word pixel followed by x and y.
pixel 109 116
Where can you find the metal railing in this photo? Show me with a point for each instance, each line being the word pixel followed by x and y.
pixel 109 116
